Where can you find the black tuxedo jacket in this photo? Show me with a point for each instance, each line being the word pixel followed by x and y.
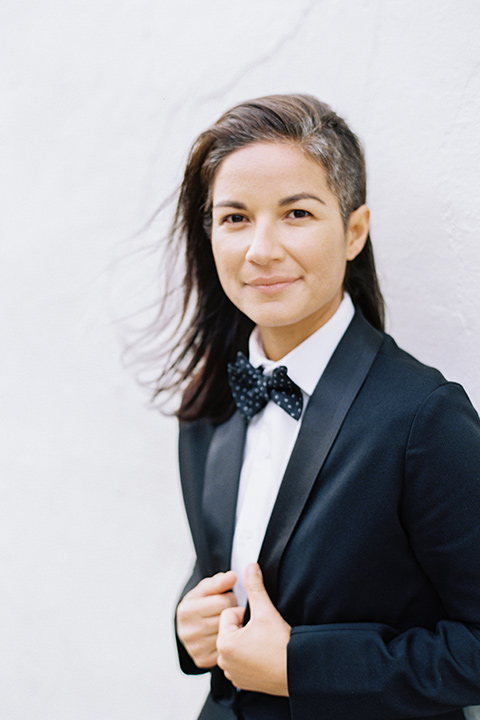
pixel 372 552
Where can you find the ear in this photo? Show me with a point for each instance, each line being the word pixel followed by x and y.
pixel 357 231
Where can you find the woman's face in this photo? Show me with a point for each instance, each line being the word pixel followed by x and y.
pixel 279 242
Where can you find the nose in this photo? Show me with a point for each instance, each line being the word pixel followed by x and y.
pixel 265 245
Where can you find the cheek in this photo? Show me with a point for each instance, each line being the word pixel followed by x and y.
pixel 331 256
pixel 218 260
pixel 225 257
pixel 225 266
pixel 217 257
pixel 320 259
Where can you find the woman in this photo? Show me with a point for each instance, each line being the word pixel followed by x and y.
pixel 354 479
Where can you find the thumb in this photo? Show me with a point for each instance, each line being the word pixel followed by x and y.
pixel 258 598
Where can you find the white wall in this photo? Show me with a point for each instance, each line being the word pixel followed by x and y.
pixel 100 102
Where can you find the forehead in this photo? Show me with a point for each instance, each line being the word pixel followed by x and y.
pixel 269 164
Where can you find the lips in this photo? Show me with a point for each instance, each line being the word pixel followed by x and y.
pixel 271 284
pixel 271 280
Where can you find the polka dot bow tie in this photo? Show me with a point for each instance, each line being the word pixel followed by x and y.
pixel 252 390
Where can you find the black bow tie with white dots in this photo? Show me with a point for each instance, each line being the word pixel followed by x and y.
pixel 252 390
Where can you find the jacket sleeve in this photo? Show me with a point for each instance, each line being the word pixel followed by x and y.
pixel 359 670
pixel 194 441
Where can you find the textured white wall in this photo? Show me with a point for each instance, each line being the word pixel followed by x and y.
pixel 100 102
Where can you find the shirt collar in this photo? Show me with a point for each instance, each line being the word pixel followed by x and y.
pixel 306 362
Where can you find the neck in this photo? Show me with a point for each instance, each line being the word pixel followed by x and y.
pixel 279 341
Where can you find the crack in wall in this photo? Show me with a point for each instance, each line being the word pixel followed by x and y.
pixel 262 58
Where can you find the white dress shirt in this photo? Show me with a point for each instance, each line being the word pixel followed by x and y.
pixel 271 435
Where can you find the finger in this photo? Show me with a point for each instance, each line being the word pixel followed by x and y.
pixel 258 597
pixel 207 639
pixel 215 585
pixel 204 629
pixel 214 605
pixel 205 607
pixel 231 619
pixel 204 656
pixel 205 662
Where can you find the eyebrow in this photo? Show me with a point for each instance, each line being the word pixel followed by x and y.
pixel 300 196
pixel 285 201
pixel 230 204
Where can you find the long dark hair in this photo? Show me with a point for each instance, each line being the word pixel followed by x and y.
pixel 215 329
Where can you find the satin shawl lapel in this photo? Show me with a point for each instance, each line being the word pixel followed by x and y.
pixel 324 415
pixel 222 473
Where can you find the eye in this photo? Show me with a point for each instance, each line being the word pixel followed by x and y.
pixel 234 218
pixel 299 214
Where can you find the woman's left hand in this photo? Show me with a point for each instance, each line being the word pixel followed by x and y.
pixel 254 656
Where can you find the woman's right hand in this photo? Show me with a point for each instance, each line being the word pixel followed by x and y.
pixel 198 616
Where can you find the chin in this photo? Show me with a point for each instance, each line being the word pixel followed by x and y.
pixel 271 317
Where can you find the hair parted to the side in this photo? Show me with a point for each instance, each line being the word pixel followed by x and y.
pixel 217 330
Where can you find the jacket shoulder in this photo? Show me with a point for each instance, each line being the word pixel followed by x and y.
pixel 404 371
